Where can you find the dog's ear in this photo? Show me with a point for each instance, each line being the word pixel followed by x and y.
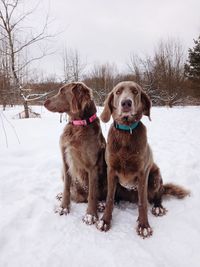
pixel 75 106
pixel 146 104
pixel 108 108
pixel 81 96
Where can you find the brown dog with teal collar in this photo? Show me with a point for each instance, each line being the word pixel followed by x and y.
pixel 129 157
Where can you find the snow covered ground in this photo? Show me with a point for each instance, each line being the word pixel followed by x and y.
pixel 32 235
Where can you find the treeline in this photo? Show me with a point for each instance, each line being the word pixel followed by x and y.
pixel 169 75
pixel 163 76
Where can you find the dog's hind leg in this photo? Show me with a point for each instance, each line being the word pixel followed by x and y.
pixel 155 191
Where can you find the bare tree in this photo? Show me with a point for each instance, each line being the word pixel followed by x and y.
pixel 161 75
pixel 135 67
pixel 142 70
pixel 4 76
pixel 102 79
pixel 168 65
pixel 10 23
pixel 73 66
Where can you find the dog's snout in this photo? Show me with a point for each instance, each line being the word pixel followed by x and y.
pixel 126 104
pixel 47 102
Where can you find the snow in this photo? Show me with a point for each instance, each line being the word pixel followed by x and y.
pixel 31 234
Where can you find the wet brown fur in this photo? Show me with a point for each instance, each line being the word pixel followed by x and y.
pixel 82 148
pixel 130 162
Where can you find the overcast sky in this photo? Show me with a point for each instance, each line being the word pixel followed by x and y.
pixel 108 31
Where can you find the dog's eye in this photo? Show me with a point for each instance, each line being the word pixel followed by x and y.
pixel 135 92
pixel 118 92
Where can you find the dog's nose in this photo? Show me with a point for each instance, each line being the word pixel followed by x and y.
pixel 126 105
pixel 47 102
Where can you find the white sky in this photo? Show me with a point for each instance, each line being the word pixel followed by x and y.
pixel 108 31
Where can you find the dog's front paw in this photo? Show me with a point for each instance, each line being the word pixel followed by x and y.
pixel 89 219
pixel 159 211
pixel 144 231
pixel 102 225
pixel 61 210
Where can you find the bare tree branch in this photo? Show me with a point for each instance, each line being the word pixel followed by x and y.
pixel 11 125
pixel 34 97
pixel 10 25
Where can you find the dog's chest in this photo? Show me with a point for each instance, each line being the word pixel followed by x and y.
pixel 78 174
pixel 73 159
pixel 125 157
pixel 127 168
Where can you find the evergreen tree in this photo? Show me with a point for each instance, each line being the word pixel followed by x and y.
pixel 192 68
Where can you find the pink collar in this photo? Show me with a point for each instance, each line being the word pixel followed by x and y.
pixel 84 122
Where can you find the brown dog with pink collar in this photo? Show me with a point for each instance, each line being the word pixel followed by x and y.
pixel 82 148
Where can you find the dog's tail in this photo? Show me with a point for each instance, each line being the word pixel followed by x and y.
pixel 175 190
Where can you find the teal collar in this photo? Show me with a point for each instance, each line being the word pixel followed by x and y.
pixel 124 127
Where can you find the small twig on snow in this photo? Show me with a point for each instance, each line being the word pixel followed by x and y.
pixel 4 130
pixel 11 125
